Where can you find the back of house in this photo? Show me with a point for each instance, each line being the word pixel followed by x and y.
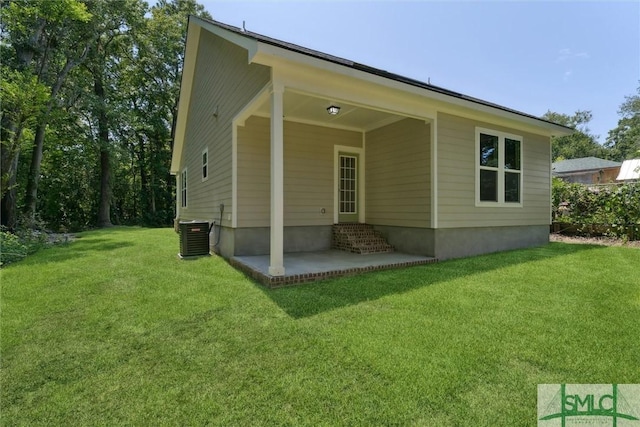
pixel 279 145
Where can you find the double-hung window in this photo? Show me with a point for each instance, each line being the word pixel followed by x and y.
pixel 498 168
pixel 183 189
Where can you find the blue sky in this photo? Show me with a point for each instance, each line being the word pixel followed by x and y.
pixel 531 56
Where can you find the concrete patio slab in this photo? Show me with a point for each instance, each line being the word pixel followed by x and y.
pixel 301 267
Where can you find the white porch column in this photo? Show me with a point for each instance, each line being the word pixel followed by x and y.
pixel 276 263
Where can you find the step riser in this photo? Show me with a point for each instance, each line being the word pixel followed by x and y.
pixel 359 238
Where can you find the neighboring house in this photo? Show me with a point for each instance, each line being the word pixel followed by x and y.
pixel 291 141
pixel 629 171
pixel 586 170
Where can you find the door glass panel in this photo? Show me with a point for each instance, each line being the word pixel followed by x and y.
pixel 348 184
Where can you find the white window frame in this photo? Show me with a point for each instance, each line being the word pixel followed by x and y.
pixel 205 165
pixel 354 192
pixel 183 188
pixel 500 169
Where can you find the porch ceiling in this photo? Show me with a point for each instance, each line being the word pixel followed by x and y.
pixel 305 108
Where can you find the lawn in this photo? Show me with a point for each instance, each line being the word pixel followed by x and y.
pixel 114 329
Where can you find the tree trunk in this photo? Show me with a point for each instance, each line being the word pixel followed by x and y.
pixel 9 203
pixel 38 145
pixel 104 208
pixel 33 179
pixel 144 180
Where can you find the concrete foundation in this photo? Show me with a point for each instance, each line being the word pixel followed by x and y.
pixel 444 243
pixel 464 242
pixel 256 241
pixel 409 240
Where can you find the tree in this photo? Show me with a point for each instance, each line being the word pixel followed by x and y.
pixel 624 140
pixel 150 85
pixel 89 97
pixel 33 32
pixel 579 144
pixel 119 21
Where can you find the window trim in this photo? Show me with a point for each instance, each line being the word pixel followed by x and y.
pixel 205 165
pixel 500 169
pixel 183 188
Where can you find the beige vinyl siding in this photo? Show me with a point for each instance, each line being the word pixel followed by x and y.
pixel 308 172
pixel 223 82
pixel 398 174
pixel 457 178
pixel 254 173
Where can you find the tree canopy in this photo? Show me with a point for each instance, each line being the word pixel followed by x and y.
pixel 623 141
pixel 89 102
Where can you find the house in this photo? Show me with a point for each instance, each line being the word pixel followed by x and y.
pixel 586 170
pixel 276 143
pixel 629 171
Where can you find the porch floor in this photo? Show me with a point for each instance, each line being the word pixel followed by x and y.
pixel 301 267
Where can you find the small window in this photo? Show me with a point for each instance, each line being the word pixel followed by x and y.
pixel 499 168
pixel 205 164
pixel 183 189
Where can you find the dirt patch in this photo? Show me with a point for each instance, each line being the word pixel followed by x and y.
pixel 604 241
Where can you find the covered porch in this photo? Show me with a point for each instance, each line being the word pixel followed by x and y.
pixel 327 159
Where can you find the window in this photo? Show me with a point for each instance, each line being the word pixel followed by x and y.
pixel 348 184
pixel 499 168
pixel 183 189
pixel 205 164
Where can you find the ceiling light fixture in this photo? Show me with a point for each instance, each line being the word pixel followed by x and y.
pixel 333 110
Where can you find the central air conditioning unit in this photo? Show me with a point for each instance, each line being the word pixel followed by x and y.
pixel 194 238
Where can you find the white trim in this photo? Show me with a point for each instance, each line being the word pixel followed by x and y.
pixel 276 56
pixel 356 201
pixel 434 173
pixel 550 182
pixel 247 43
pixel 276 253
pixel 203 164
pixel 500 169
pixel 363 183
pixel 186 86
pixel 184 180
pixel 178 207
pixel 252 106
pixel 234 174
pixel 361 178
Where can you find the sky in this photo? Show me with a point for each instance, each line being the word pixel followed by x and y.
pixel 531 56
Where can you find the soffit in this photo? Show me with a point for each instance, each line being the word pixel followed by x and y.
pixel 305 108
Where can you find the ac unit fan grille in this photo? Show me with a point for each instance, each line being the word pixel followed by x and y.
pixel 194 238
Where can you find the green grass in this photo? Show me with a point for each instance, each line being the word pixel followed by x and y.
pixel 114 329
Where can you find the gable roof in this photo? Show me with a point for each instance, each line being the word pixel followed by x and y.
pixel 274 53
pixel 583 164
pixel 376 71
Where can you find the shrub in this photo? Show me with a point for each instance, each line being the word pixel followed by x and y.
pixel 614 208
pixel 11 248
pixel 24 241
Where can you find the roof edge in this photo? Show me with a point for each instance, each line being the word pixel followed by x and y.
pixel 561 129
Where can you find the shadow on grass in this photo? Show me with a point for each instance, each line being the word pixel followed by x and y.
pixel 315 298
pixel 77 248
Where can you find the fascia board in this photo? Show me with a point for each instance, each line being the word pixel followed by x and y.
pixel 186 85
pixel 247 43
